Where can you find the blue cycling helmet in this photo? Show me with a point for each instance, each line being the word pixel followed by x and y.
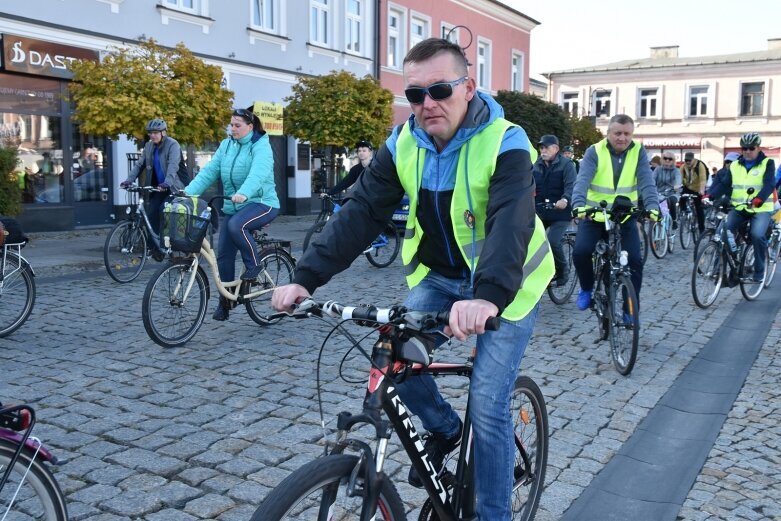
pixel 731 156
pixel 156 125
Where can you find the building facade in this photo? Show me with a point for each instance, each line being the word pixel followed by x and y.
pixel 494 36
pixel 700 104
pixel 72 180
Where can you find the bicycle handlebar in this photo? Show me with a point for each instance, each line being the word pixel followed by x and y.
pixel 136 188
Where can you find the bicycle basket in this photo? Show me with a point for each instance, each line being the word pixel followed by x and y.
pixel 185 223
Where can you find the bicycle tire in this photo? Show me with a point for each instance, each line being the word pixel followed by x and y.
pixel 166 319
pixel 748 287
pixel 658 240
pixel 644 247
pixel 701 240
pixel 624 324
pixel 528 483
pixel 315 228
pixel 124 253
pixel 17 293
pixel 278 268
pixel 40 497
pixel 685 230
pixel 561 294
pixel 773 251
pixel 312 487
pixel 376 255
pixel 707 274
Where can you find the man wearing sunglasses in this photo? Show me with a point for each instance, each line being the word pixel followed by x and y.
pixel 752 170
pixel 472 245
pixel 694 175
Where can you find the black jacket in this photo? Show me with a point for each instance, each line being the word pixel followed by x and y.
pixel 554 181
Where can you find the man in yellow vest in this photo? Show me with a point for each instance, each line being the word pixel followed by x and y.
pixel 472 245
pixel 753 170
pixel 617 165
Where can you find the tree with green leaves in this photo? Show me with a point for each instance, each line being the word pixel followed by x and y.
pixel 537 116
pixel 133 85
pixel 584 134
pixel 338 109
pixel 10 191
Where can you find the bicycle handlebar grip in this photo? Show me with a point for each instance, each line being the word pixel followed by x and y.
pixel 491 324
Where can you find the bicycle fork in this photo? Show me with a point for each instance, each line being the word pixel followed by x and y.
pixel 189 282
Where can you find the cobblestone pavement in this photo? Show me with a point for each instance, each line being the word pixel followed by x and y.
pixel 204 431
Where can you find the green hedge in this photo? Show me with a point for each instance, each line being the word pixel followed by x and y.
pixel 10 194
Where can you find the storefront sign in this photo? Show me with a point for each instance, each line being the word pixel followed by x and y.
pixel 672 142
pixel 32 56
pixel 270 115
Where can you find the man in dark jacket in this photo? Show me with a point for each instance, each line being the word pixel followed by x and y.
pixel 554 176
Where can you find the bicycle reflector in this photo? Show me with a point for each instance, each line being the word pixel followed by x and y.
pixel 15 420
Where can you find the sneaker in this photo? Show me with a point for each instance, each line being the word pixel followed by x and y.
pixel 437 448
pixel 629 320
pixel 561 280
pixel 675 225
pixel 252 273
pixel 584 299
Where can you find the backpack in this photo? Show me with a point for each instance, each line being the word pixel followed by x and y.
pixel 185 223
pixel 14 231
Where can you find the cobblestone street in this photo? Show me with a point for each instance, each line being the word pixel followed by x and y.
pixel 204 431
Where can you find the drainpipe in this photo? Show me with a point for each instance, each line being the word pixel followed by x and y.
pixel 377 40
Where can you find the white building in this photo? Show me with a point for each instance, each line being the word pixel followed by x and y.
pixel 698 104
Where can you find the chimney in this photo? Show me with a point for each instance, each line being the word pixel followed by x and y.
pixel 773 44
pixel 666 51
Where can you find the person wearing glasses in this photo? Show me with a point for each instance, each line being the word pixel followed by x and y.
pixel 694 175
pixel 365 152
pixel 753 169
pixel 472 246
pixel 668 183
pixel 244 164
pixel 160 158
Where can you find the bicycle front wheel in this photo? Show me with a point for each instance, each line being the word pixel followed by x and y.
pixel 277 271
pixel 530 420
pixel 686 230
pixel 561 293
pixel 124 253
pixel 624 324
pixel 707 274
pixel 658 240
pixel 644 247
pixel 172 309
pixel 17 293
pixel 39 496
pixel 748 286
pixel 319 490
pixel 316 228
pixel 385 248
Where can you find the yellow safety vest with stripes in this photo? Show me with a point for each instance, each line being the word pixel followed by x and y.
pixel 603 187
pixel 743 179
pixel 476 165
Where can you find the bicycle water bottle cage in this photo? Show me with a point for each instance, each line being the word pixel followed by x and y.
pixel 601 247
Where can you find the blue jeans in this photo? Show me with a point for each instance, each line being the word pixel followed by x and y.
pixel 496 366
pixel 759 224
pixel 236 235
pixel 589 232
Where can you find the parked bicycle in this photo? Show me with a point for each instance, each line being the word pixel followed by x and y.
pixel 17 286
pixel 726 260
pixel 688 229
pixel 662 233
pixel 561 293
pixel 380 253
pixel 614 299
pixel 176 297
pixel 350 480
pixel 131 242
pixel 28 489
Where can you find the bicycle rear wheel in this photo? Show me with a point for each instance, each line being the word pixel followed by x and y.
pixel 172 314
pixel 124 253
pixel 277 270
pixel 624 324
pixel 385 248
pixel 560 294
pixel 316 228
pixel 748 286
pixel 685 230
pixel 17 293
pixel 530 420
pixel 658 240
pixel 773 251
pixel 321 487
pixel 39 498
pixel 707 274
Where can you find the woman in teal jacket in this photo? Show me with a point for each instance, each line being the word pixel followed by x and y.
pixel 245 165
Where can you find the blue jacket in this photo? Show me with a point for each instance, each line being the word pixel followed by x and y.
pixel 245 166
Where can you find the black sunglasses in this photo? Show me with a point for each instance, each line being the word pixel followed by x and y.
pixel 748 148
pixel 437 91
pixel 244 114
pixel 668 158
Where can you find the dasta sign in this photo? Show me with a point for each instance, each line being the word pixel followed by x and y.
pixel 270 115
pixel 43 58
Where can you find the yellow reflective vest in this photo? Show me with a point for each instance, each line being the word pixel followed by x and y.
pixel 603 188
pixel 743 179
pixel 476 165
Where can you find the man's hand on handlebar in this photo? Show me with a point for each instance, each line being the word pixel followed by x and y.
pixel 468 317
pixel 285 296
pixel 125 184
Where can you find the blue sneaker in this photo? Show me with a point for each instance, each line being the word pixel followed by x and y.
pixel 584 299
pixel 629 320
